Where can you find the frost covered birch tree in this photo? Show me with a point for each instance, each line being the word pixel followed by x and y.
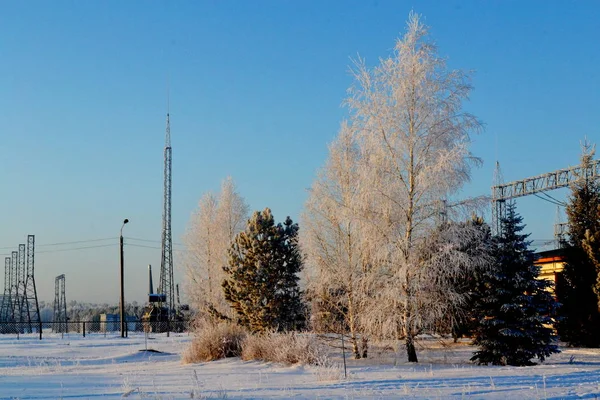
pixel 210 233
pixel 201 259
pixel 331 241
pixel 413 138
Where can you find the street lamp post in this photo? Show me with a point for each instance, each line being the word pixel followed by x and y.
pixel 122 303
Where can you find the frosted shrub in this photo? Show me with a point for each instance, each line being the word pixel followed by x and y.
pixel 215 341
pixel 287 348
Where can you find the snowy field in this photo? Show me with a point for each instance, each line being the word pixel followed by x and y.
pixel 98 367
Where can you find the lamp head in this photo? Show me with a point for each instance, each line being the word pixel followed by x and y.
pixel 125 221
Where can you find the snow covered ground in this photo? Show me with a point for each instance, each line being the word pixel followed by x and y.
pixel 110 367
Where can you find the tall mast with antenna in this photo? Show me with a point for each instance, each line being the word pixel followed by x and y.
pixel 166 265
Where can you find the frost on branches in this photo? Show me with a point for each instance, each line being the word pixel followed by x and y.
pixel 407 142
pixel 210 232
pixel 333 244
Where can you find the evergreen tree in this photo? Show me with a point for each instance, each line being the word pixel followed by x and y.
pixel 578 286
pixel 516 308
pixel 261 282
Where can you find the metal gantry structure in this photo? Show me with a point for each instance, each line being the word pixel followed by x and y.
pixel 16 301
pixel 5 308
pixel 20 302
pixel 21 284
pixel 60 305
pixel 166 283
pixel 30 289
pixel 501 192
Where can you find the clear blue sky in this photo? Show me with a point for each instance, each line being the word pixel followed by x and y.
pixel 256 91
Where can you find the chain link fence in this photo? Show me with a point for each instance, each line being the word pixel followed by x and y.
pixel 91 328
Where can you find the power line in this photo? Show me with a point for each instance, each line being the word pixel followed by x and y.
pixel 77 242
pixel 149 240
pixel 149 247
pixel 555 202
pixel 555 199
pixel 141 245
pixel 65 243
pixel 90 241
pixel 77 248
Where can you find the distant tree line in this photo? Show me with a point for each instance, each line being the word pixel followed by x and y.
pixel 83 311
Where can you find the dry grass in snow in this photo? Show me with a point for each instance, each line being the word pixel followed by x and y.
pixel 114 368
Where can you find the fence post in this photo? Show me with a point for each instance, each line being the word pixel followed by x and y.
pixel 40 330
pixel 83 328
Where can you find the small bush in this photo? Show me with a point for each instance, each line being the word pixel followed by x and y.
pixel 287 348
pixel 328 371
pixel 215 341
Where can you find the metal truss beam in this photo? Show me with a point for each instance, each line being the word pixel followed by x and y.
pixel 501 192
pixel 541 183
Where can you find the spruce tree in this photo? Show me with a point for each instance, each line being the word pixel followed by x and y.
pixel 261 282
pixel 578 286
pixel 516 308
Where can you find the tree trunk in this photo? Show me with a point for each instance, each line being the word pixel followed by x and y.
pixel 351 321
pixel 410 349
pixel 355 349
pixel 365 346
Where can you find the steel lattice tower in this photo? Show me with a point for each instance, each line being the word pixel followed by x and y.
pixel 60 305
pixel 166 264
pixel 6 299
pixel 30 295
pixel 23 310
pixel 14 287
pixel 498 205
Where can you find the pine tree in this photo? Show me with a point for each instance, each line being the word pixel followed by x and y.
pixel 261 282
pixel 516 307
pixel 578 286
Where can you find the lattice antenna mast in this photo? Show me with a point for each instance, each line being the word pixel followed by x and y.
pixel 31 298
pixel 166 265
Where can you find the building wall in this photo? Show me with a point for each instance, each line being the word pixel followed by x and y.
pixel 550 266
